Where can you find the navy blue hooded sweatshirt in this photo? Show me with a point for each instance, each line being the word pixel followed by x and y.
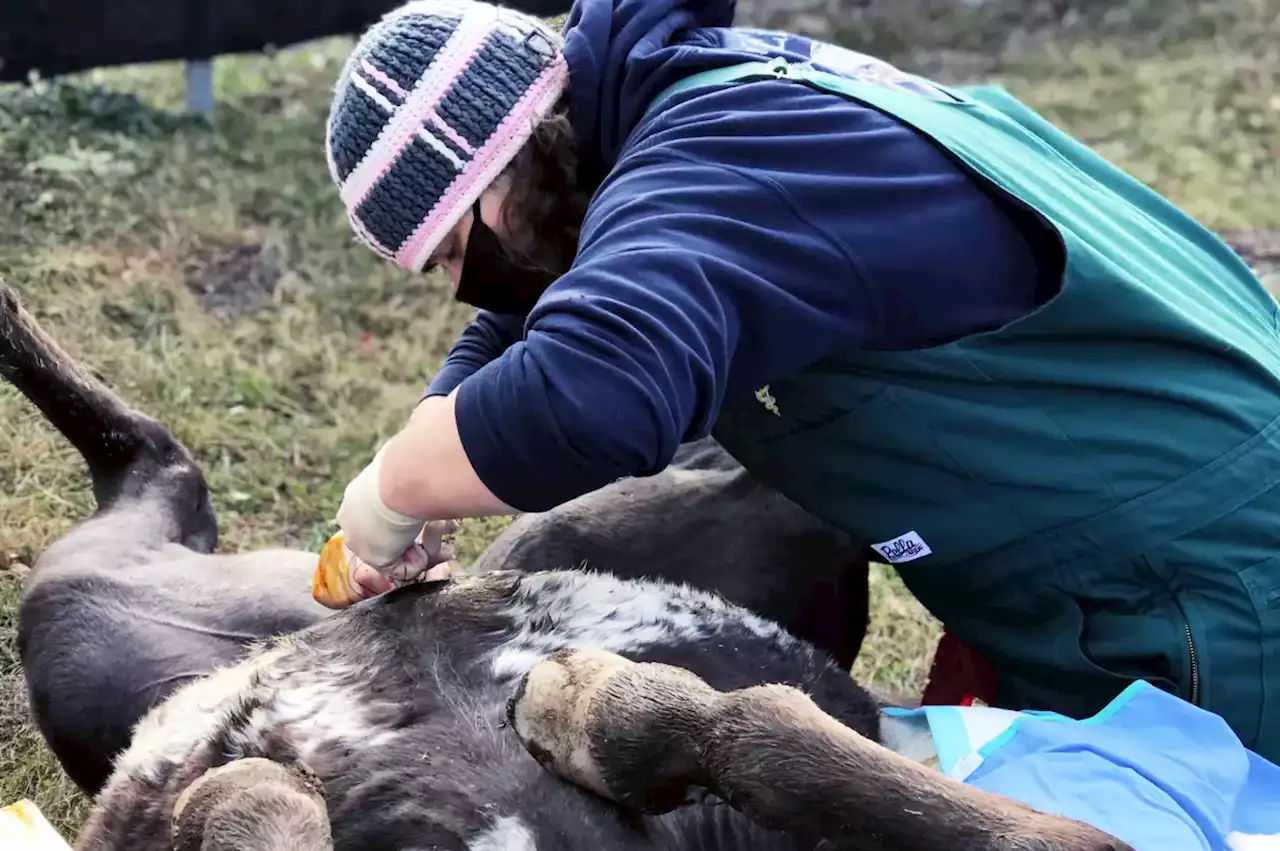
pixel 742 233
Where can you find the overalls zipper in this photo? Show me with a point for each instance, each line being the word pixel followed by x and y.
pixel 1195 664
pixel 1193 658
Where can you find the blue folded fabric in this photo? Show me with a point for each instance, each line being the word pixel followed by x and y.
pixel 1151 769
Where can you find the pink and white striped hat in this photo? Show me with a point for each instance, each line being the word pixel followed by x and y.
pixel 434 102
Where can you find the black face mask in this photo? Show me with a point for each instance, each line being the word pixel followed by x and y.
pixel 490 280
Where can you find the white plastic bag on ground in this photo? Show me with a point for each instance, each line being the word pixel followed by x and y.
pixel 24 828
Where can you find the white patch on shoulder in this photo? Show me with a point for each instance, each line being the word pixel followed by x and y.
pixel 317 707
pixel 194 714
pixel 556 610
pixel 314 705
pixel 508 833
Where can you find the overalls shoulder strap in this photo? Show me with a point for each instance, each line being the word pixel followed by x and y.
pixel 778 68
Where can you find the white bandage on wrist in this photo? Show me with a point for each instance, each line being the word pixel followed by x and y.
pixel 381 534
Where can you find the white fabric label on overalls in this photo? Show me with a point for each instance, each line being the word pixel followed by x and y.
pixel 903 548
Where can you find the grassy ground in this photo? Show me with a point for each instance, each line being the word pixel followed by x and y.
pixel 208 274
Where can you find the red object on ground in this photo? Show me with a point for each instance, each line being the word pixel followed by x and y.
pixel 959 676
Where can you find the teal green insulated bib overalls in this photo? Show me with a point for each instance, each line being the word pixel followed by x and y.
pixel 1088 495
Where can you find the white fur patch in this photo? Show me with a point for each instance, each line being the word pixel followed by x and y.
pixel 554 611
pixel 318 707
pixel 193 714
pixel 508 833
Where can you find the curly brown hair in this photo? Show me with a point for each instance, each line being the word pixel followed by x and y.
pixel 548 198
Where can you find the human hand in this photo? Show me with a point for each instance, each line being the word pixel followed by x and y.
pixel 374 533
pixel 342 578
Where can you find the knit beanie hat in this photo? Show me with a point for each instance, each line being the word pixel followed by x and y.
pixel 434 102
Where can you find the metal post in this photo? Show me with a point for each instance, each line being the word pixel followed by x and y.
pixel 200 87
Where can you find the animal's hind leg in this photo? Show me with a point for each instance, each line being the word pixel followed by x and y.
pixel 253 805
pixel 130 604
pixel 245 805
pixel 137 467
pixel 645 735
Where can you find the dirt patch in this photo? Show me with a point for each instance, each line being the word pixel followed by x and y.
pixel 13 566
pixel 236 279
pixel 1261 250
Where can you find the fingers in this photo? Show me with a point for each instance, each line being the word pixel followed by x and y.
pixel 344 578
pixel 367 581
pixel 431 548
pixel 434 540
pixel 418 560
pixel 441 572
pixel 373 582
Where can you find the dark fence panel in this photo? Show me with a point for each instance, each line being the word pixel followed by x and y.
pixel 65 36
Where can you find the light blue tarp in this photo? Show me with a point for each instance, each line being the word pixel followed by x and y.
pixel 1151 769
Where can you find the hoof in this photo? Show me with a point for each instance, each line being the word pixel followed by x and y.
pixel 552 715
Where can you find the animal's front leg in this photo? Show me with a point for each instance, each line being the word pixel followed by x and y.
pixel 643 735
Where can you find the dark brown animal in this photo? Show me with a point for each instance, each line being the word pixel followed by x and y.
pixel 387 723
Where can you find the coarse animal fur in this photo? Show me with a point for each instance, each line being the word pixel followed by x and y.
pixel 397 707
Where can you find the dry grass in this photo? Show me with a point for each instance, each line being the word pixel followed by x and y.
pixel 124 227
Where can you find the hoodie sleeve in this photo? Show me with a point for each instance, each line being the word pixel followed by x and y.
pixel 632 351
pixel 746 233
pixel 483 339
